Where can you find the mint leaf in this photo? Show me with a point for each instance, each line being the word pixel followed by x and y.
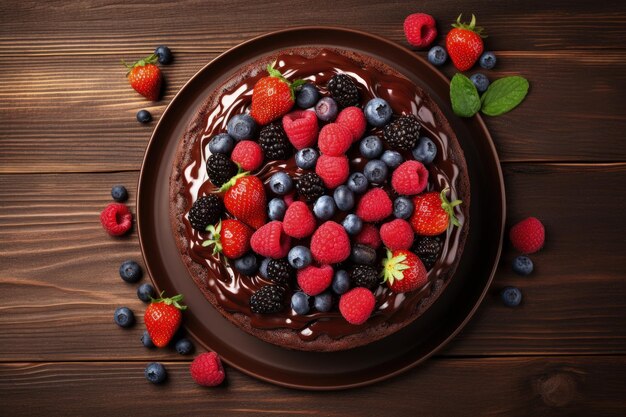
pixel 504 95
pixel 464 97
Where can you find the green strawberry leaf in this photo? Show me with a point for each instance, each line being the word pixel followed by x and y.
pixel 504 95
pixel 464 97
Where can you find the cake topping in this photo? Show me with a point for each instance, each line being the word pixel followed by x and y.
pixel 267 300
pixel 230 237
pixel 310 186
pixel 220 169
pixel 343 90
pixel 402 133
pixel 274 142
pixel 272 96
pixel 433 213
pixel 205 211
pixel 403 271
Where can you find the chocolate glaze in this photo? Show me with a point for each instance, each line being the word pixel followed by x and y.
pixel 233 290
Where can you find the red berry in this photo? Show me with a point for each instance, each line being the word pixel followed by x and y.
pixel 231 237
pixel 207 370
pixel 420 29
pixel 145 77
pixel 289 198
pixel 404 271
pixel 464 44
pixel 369 236
pixel 410 178
pixel 397 234
pixel 334 139
pixel 272 96
pixel 356 305
pixel 298 222
pixel 270 241
pixel 116 219
pixel 354 120
pixel 433 213
pixel 528 236
pixel 248 155
pixel 313 280
pixel 330 243
pixel 301 128
pixel 245 199
pixel 333 170
pixel 374 206
pixel 163 318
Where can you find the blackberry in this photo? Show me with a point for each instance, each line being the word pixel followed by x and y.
pixel 220 169
pixel 364 276
pixel 205 211
pixel 343 90
pixel 280 272
pixel 428 248
pixel 267 300
pixel 403 133
pixel 310 187
pixel 274 142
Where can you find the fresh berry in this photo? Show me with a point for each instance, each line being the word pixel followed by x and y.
pixel 130 271
pixel 222 143
pixel 145 292
pixel 241 127
pixel 245 199
pixel 378 112
pixel 324 208
pixel 300 303
pixel 276 209
pixel 342 88
pixel 323 302
pixel 301 128
pixel 481 82
pixel 393 159
pixel 306 158
pixel 365 276
pixel 356 305
pixel 420 29
pixel 280 272
pixel 528 235
pixel 144 116
pixel 464 44
pixel 341 282
pixel 522 265
pixel 330 243
pixel 376 171
pixel 353 119
pixel 155 373
pixel 310 187
pixel 425 151
pixel 145 77
pixel 205 210
pixel 220 169
pixel 289 198
pixel 146 341
pixel 274 142
pixel 281 183
pixel 357 183
pixel 344 198
pixel 402 133
pixel 397 234
pixel 410 178
pixel 248 155
pixel 299 221
pixel 371 147
pixel 369 236
pixel 362 254
pixel 428 249
pixel 269 299
pixel 184 346
pixel 314 280
pixel 299 257
pixel 270 240
pixel 374 206
pixel 230 237
pixel 437 55
pixel 247 264
pixel 162 318
pixel 403 271
pixel 487 60
pixel 119 193
pixel 163 54
pixel 334 139
pixel 326 109
pixel 307 96
pixel 207 370
pixel 353 224
pixel 116 219
pixel 263 267
pixel 333 170
pixel 272 96
pixel 511 296
pixel 124 317
pixel 402 207
pixel 433 213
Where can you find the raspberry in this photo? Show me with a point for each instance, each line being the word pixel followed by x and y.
pixel 342 88
pixel 280 272
pixel 310 187
pixel 248 155
pixel 369 236
pixel 365 276
pixel 334 139
pixel 313 280
pixel 290 198
pixel 206 369
pixel 299 222
pixel 220 169
pixel 268 300
pixel 374 206
pixel 397 234
pixel 528 235
pixel 354 120
pixel 333 170
pixel 420 29
pixel 274 142
pixel 270 241
pixel 330 243
pixel 205 211
pixel 402 133
pixel 301 128
pixel 427 248
pixel 116 219
pixel 410 178
pixel 356 305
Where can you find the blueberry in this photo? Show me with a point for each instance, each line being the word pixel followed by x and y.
pixel 130 271
pixel 324 208
pixel 402 208
pixel 222 143
pixel 299 257
pixel 241 126
pixel 511 296
pixel 522 265
pixel 247 264
pixel 425 151
pixel 393 159
pixel 300 302
pixel 371 147
pixel 362 254
pixel 184 346
pixel 144 116
pixel 375 171
pixel 307 96
pixel 306 158
pixel 487 60
pixel 326 109
pixel 263 267
pixel 146 292
pixel 124 317
pixel 281 183
pixel 341 282
pixel 353 224
pixel 276 209
pixel 357 182
pixel 437 55
pixel 119 193
pixel 377 112
pixel 164 54
pixel 344 198
pixel 323 302
pixel 146 340
pixel 155 373
pixel 480 81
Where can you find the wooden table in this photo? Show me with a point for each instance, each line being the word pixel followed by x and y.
pixel 69 133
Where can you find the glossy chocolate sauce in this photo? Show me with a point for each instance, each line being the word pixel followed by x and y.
pixel 233 290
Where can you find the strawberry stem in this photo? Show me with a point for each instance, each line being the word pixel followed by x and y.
pixel 273 72
pixel 393 267
pixel 151 59
pixel 231 182
pixel 448 206
pixel 175 300
pixel 471 26
pixel 215 238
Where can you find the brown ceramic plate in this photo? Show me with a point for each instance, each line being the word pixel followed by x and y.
pixel 312 370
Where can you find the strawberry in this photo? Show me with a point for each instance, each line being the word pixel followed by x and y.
pixel 464 43
pixel 162 318
pixel 145 77
pixel 272 96
pixel 245 199
pixel 433 213
pixel 230 237
pixel 403 271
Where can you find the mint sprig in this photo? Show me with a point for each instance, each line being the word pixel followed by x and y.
pixel 464 96
pixel 502 96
